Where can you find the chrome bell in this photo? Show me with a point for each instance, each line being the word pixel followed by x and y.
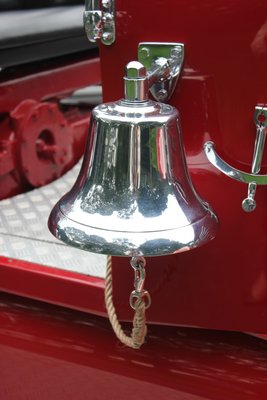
pixel 133 195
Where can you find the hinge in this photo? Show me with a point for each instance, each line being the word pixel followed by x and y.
pixel 99 20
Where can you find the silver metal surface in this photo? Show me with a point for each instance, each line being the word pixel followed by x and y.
pixel 90 96
pixel 133 195
pixel 158 69
pixel 260 119
pixel 138 264
pixel 230 171
pixel 163 62
pixel 99 20
pixel 24 234
pixel 253 179
pixel 135 82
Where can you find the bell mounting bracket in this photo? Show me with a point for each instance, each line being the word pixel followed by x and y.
pixel 163 62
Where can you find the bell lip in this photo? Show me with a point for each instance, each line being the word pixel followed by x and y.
pixel 114 243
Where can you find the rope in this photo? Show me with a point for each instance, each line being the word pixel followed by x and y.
pixel 139 329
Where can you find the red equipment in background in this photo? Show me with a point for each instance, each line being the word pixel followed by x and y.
pixel 40 140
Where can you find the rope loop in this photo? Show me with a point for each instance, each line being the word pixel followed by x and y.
pixel 139 329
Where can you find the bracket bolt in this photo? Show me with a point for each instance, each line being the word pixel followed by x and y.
pixel 144 53
pixel 248 204
pixel 162 94
pixel 106 3
pixel 107 36
pixel 176 52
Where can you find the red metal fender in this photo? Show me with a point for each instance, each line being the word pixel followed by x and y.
pixel 49 352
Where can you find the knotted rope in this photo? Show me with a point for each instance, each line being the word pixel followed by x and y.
pixel 139 329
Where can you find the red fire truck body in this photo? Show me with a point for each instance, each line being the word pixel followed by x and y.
pixel 208 317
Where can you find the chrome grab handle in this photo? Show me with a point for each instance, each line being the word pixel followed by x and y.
pixel 253 179
pixel 260 119
pixel 230 171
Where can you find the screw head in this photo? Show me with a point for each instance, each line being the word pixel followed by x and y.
pixel 176 52
pixel 144 53
pixel 248 204
pixel 107 37
pixel 106 3
pixel 162 94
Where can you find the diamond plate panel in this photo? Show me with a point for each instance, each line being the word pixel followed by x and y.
pixel 24 234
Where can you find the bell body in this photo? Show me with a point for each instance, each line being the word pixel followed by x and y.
pixel 133 195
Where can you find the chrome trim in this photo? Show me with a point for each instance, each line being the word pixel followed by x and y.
pixel 260 119
pixel 135 82
pixel 230 171
pixel 99 20
pixel 253 179
pixel 163 62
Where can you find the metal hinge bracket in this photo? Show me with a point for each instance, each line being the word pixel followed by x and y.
pixel 166 59
pixel 99 20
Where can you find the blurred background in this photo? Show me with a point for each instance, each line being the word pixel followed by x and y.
pixel 20 4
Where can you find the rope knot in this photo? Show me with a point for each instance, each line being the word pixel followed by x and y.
pixel 139 329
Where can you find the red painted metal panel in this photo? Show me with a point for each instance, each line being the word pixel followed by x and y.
pixel 49 352
pixel 48 81
pixel 52 285
pixel 224 284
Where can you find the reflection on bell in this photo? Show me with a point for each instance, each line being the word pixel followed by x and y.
pixel 133 195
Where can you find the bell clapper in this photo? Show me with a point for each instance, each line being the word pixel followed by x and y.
pixel 139 300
